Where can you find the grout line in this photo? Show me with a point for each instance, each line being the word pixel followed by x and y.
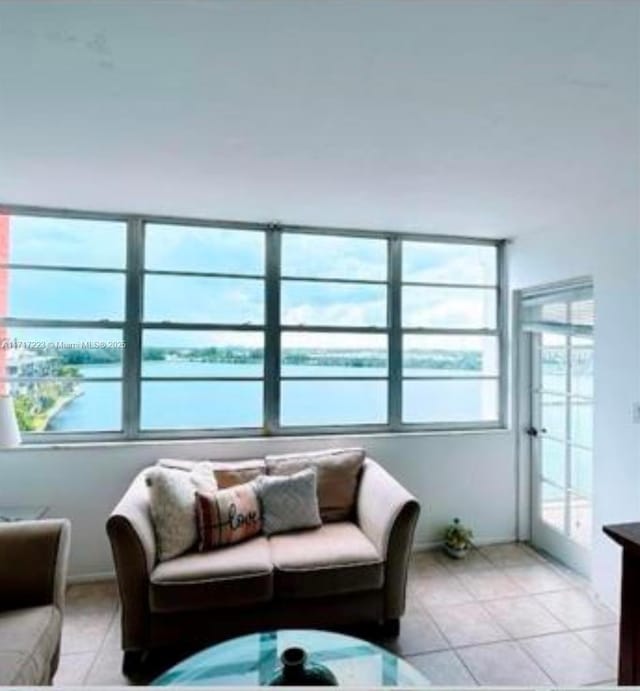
pixel 464 664
pixel 101 647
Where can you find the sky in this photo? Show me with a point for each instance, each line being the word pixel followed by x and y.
pixel 190 299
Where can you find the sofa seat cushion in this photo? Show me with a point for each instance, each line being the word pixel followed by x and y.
pixel 239 574
pixel 334 559
pixel 29 639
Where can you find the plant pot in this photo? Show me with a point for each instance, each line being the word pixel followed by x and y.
pixel 456 552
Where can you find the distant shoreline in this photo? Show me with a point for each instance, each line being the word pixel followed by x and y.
pixel 58 406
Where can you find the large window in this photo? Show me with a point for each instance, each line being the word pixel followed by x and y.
pixel 62 296
pixel 334 347
pixel 141 328
pixel 450 338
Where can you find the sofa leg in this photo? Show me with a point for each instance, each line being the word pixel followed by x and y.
pixel 131 662
pixel 391 628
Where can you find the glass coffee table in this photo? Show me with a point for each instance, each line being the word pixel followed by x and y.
pixel 253 661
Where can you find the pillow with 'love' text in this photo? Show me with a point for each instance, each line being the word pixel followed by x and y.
pixel 228 516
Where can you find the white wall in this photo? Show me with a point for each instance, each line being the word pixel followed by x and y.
pixel 612 258
pixel 470 475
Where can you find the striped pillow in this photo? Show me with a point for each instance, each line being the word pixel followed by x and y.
pixel 230 515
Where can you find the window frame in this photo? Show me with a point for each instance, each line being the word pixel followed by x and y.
pixel 133 326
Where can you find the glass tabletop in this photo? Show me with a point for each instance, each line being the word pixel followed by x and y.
pixel 253 661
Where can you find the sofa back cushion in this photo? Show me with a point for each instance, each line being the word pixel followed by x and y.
pixel 338 475
pixel 227 473
pixel 230 473
pixel 228 516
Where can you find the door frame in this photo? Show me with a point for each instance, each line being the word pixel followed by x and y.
pixel 522 372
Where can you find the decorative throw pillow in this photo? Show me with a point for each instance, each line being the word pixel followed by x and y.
pixel 172 503
pixel 289 503
pixel 230 515
pixel 338 477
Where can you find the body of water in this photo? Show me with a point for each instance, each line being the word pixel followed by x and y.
pixel 195 404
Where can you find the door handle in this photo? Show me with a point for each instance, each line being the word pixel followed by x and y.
pixel 535 432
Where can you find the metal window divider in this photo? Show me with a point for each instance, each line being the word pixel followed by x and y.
pixel 394 310
pixel 132 367
pixel 272 332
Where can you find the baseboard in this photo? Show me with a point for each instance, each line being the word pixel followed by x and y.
pixel 423 546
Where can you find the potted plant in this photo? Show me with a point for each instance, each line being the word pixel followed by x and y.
pixel 457 539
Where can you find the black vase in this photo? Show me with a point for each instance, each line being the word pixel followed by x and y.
pixel 296 672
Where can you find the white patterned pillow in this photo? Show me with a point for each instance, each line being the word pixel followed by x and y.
pixel 289 503
pixel 172 500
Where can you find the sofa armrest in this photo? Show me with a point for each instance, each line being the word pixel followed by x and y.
pixel 34 557
pixel 387 514
pixel 131 533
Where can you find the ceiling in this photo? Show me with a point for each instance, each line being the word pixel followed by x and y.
pixel 456 117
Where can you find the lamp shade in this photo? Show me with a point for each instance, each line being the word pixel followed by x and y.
pixel 9 432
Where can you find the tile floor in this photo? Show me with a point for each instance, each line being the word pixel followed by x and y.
pixel 505 616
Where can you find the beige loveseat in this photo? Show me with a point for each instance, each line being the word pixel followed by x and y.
pixel 345 572
pixel 33 569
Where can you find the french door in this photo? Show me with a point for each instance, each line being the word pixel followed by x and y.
pixel 560 326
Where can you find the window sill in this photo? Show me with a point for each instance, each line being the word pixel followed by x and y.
pixel 251 440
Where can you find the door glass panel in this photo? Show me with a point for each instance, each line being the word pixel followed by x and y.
pixel 581 471
pixel 582 422
pixel 554 415
pixel 552 510
pixel 553 367
pixel 581 367
pixel 554 461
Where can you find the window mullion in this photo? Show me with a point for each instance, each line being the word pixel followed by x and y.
pixel 394 304
pixel 133 328
pixel 271 398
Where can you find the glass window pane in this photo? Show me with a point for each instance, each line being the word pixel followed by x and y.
pixel 553 368
pixel 333 355
pixel 333 402
pixel 554 415
pixel 553 506
pixel 63 242
pixel 582 422
pixel 68 353
pixel 459 356
pixel 463 400
pixel 192 299
pixel 431 262
pixel 582 312
pixel 448 308
pixel 334 256
pixel 581 369
pixel 201 404
pixel 40 294
pixel 207 250
pixel 202 353
pixel 581 519
pixel 333 304
pixel 553 461
pixel 67 405
pixel 553 340
pixel 581 471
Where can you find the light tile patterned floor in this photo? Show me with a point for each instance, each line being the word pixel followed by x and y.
pixel 505 616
